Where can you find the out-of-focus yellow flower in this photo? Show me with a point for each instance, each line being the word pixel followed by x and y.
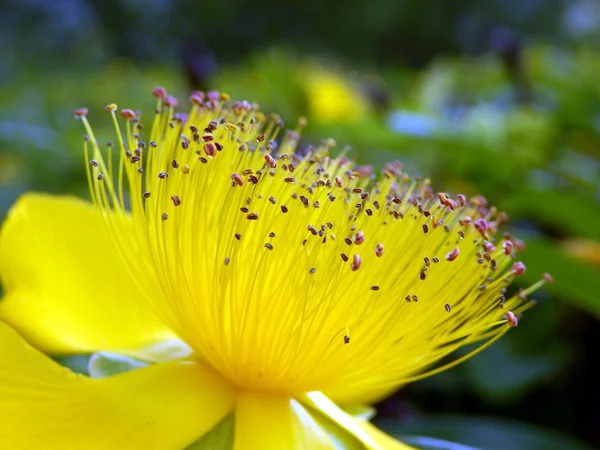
pixel 331 97
pixel 299 282
pixel 584 249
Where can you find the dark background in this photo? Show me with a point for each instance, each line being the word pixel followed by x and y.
pixel 499 97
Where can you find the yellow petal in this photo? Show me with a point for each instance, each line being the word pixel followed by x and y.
pixel 348 395
pixel 323 405
pixel 164 406
pixel 383 440
pixel 370 436
pixel 66 289
pixel 270 422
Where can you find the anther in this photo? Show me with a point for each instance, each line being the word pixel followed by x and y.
pixel 94 163
pixel 244 209
pixel 164 216
pixel 507 246
pixel 81 112
pixel 489 247
pixel 511 319
pixel 453 254
pixel 346 339
pixel 379 250
pixel 176 200
pixel 163 175
pixel 270 161
pixel 238 236
pixel 269 246
pixel 425 228
pixel 272 234
pixel 312 270
pixel 227 261
pixel 210 149
pixel 147 194
pixel 356 261
pixel 448 307
pixel 272 200
pixel 100 177
pixel 344 257
pixel 548 278
pixel 284 209
pixel 237 179
pixel 252 216
pixel 518 269
pixel 185 169
pixel 359 237
pixel 423 275
pixel 128 114
pixel 160 92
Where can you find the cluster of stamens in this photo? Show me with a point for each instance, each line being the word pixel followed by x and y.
pixel 312 248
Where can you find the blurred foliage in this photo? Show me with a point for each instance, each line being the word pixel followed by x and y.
pixel 480 433
pixel 518 123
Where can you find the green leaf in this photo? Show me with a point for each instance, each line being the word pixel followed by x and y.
pixel 220 437
pixel 360 411
pixel 425 443
pixel 104 364
pixel 77 363
pixel 575 281
pixel 544 206
pixel 480 433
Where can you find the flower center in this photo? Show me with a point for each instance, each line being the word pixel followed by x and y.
pixel 292 270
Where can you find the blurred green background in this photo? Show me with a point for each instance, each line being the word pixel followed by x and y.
pixel 498 97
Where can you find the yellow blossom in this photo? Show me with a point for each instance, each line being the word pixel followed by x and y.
pixel 298 282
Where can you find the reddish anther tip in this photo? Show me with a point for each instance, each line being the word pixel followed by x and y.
pixel 128 114
pixel 270 161
pixel 212 96
pixel 548 278
pixel 507 246
pixel 512 319
pixel 79 113
pixel 356 262
pixel 379 250
pixel 453 254
pixel 451 204
pixel 461 199
pixel 489 247
pixel 519 244
pixel 210 149
pixel 171 101
pixel 197 99
pixel 518 268
pixel 364 171
pixel 481 225
pixel 359 237
pixel 237 179
pixel 160 92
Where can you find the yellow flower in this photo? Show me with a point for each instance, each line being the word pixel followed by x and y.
pixel 331 97
pixel 299 281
